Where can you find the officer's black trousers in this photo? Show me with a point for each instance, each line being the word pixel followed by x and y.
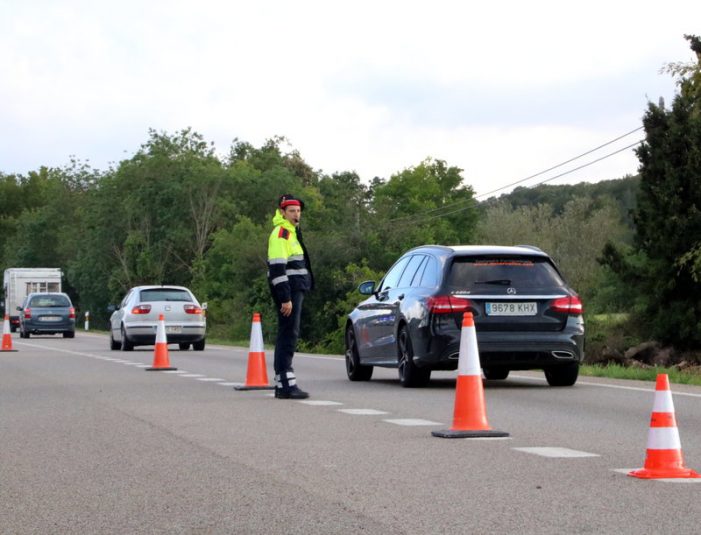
pixel 286 343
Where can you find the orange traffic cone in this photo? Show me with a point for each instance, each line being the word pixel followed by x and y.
pixel 6 336
pixel 664 451
pixel 161 362
pixel 470 416
pixel 257 375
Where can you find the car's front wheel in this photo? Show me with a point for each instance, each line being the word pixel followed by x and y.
pixel 355 370
pixel 565 375
pixel 410 375
pixel 114 345
pixel 495 373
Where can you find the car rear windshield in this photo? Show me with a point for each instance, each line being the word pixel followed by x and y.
pixel 164 294
pixel 50 301
pixel 488 273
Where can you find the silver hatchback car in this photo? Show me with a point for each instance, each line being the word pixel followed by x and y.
pixel 135 320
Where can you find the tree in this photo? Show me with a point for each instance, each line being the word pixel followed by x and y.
pixel 662 266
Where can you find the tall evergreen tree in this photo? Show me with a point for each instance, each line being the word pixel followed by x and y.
pixel 668 216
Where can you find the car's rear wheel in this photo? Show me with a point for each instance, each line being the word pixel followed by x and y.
pixel 495 373
pixel 198 346
pixel 69 334
pixel 126 344
pixel 114 345
pixel 184 347
pixel 23 334
pixel 410 375
pixel 355 370
pixel 565 375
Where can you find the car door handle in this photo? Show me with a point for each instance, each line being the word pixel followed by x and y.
pixel 400 297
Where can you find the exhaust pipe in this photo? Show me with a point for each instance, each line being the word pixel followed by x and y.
pixel 563 354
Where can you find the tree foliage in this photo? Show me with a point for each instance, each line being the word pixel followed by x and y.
pixel 662 267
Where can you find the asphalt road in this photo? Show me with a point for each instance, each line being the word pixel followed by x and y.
pixel 89 444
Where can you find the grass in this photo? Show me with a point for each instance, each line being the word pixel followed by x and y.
pixel 616 371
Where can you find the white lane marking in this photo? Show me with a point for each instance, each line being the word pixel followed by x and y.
pixel 557 452
pixel 191 375
pixel 210 379
pixel 663 480
pixel 411 422
pixel 179 372
pixel 229 384
pixel 618 387
pixel 363 412
pixel 318 402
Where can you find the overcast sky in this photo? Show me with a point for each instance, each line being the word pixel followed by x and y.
pixel 502 90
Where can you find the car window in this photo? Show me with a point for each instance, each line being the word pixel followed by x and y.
pixel 482 274
pixel 394 274
pixel 410 271
pixel 164 294
pixel 49 301
pixel 126 299
pixel 430 277
pixel 416 280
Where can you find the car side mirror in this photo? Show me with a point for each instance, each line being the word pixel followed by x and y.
pixel 204 306
pixel 112 308
pixel 367 288
pixel 19 308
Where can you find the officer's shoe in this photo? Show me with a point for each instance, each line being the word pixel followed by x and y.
pixel 292 392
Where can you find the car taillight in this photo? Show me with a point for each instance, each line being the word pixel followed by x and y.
pixel 71 313
pixel 568 305
pixel 192 309
pixel 448 304
pixel 27 313
pixel 141 309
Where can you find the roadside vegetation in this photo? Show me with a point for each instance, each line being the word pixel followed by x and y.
pixel 177 212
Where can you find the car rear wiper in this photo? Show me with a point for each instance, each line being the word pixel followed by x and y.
pixel 505 282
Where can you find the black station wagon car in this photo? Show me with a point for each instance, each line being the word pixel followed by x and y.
pixel 526 316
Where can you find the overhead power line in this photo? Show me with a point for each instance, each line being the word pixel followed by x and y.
pixel 424 216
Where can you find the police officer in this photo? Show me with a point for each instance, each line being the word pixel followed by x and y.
pixel 290 276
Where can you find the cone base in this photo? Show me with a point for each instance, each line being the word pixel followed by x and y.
pixel 9 350
pixel 262 387
pixel 481 433
pixel 684 473
pixel 159 369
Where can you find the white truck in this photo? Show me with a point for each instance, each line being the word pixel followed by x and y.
pixel 17 283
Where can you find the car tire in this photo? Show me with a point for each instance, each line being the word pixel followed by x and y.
pixel 565 375
pixel 13 328
pixel 126 344
pixel 198 346
pixel 23 334
pixel 69 334
pixel 355 370
pixel 410 375
pixel 184 347
pixel 495 374
pixel 114 345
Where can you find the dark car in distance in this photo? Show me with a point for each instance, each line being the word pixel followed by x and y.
pixel 526 316
pixel 47 313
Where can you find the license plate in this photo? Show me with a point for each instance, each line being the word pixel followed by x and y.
pixel 50 318
pixel 173 329
pixel 511 309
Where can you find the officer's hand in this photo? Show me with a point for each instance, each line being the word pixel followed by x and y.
pixel 286 308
